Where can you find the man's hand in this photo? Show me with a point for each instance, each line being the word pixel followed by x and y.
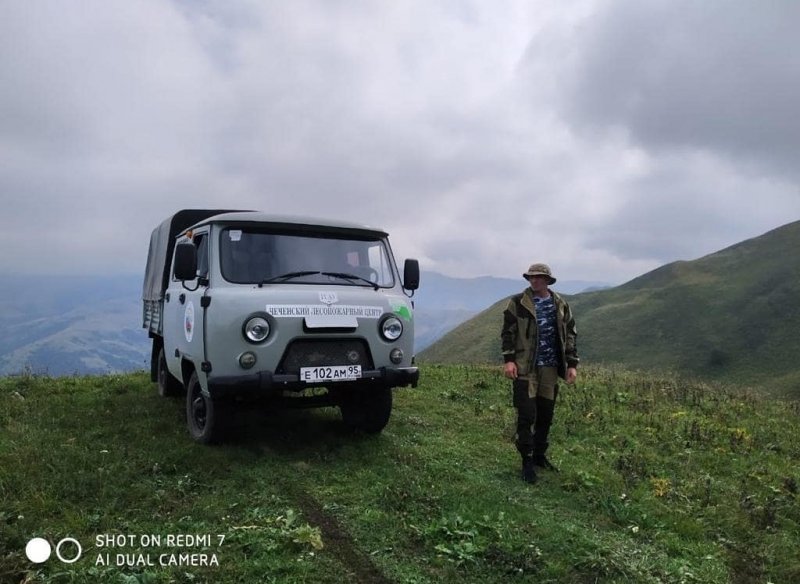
pixel 572 375
pixel 510 370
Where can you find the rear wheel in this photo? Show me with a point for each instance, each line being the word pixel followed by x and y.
pixel 205 418
pixel 168 386
pixel 367 410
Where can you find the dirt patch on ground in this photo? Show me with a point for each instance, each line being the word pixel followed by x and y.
pixel 339 543
pixel 337 540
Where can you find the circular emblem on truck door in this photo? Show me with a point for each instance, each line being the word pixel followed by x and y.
pixel 188 321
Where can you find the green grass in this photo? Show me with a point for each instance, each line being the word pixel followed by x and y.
pixel 661 481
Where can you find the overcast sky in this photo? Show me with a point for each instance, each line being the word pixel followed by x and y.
pixel 604 137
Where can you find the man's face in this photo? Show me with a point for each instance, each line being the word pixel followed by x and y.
pixel 538 283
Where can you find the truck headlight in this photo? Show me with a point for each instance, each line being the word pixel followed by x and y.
pixel 391 328
pixel 256 329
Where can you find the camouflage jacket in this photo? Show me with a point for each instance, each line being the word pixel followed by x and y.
pixel 520 334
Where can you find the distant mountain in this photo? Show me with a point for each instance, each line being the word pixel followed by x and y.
pixel 731 316
pixel 66 325
pixel 439 291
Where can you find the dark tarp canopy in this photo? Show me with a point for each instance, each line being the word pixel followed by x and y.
pixel 162 244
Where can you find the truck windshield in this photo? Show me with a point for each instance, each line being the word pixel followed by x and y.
pixel 255 257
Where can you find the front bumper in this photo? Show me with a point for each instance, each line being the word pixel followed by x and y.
pixel 265 384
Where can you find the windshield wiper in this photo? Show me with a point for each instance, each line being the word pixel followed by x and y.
pixel 350 277
pixel 288 276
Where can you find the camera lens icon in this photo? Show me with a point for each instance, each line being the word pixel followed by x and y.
pixel 39 550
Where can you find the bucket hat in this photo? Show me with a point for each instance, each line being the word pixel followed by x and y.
pixel 539 270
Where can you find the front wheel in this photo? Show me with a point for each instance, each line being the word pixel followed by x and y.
pixel 205 418
pixel 367 410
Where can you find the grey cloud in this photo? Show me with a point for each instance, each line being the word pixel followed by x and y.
pixel 722 76
pixel 410 116
pixel 688 207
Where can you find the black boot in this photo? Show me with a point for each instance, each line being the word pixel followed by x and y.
pixel 528 470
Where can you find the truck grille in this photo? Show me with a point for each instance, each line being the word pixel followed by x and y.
pixel 319 353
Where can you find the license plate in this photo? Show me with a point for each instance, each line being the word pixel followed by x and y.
pixel 333 373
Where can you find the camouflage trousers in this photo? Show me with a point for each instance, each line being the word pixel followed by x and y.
pixel 535 400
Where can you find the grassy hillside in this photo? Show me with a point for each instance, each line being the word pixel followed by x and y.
pixel 659 482
pixel 732 316
pixel 474 341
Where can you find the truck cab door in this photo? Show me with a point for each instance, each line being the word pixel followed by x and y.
pixel 184 313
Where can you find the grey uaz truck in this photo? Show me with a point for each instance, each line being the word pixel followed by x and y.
pixel 242 305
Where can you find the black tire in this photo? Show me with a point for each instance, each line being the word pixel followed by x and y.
pixel 168 386
pixel 367 410
pixel 205 418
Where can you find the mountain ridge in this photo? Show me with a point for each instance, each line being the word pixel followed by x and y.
pixel 729 316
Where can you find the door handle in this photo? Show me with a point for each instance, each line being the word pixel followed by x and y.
pixel 182 297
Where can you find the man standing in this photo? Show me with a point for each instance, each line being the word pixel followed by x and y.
pixel 538 343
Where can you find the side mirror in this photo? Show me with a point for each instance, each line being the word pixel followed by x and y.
pixel 411 275
pixel 185 261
